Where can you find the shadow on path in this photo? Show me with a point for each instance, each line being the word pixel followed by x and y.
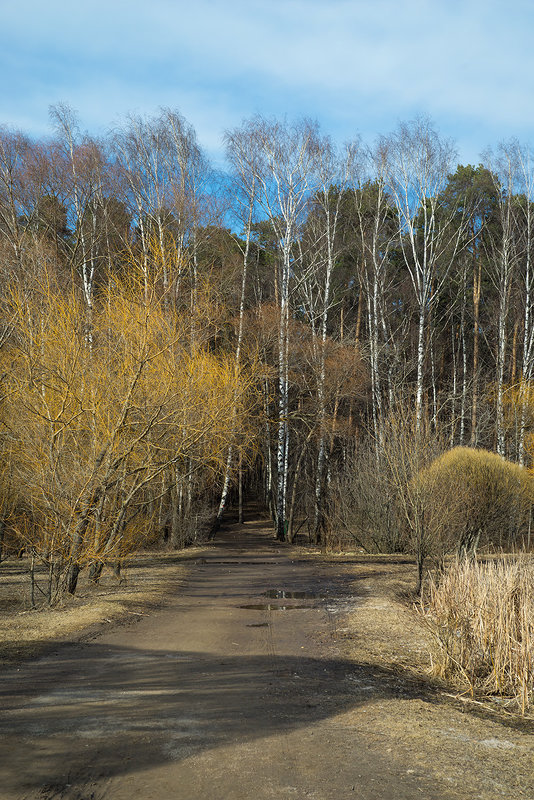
pixel 104 711
pixel 207 672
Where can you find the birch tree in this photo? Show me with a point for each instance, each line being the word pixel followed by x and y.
pixel 285 162
pixel 14 148
pixel 241 154
pixel 376 231
pixel 163 170
pixel 80 161
pixel 503 250
pixel 417 162
pixel 525 169
pixel 314 292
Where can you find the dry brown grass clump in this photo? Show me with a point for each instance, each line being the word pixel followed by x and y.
pixel 482 617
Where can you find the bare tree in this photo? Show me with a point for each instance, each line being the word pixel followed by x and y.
pixel 14 150
pixel 417 162
pixel 82 174
pixel 376 232
pixel 241 155
pixel 314 291
pixel 285 162
pixel 526 214
pixel 163 171
pixel 503 251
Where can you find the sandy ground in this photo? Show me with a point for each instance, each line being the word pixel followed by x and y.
pixel 270 674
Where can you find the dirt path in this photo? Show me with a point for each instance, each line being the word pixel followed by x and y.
pixel 227 694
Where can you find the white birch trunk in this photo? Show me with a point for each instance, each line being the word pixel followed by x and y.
pixel 239 344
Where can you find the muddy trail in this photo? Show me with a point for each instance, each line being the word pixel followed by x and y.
pixel 235 690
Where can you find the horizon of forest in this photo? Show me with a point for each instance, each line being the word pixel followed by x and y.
pixel 368 309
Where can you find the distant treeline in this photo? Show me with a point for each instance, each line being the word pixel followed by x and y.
pixel 155 356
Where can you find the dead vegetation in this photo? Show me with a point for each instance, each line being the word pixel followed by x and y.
pixel 145 580
pixel 481 616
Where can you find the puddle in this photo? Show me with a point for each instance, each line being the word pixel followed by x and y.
pixel 271 607
pixel 282 594
pixel 258 625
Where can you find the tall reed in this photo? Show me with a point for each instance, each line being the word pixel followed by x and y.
pixel 482 618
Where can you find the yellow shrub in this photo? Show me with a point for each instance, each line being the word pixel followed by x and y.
pixel 491 498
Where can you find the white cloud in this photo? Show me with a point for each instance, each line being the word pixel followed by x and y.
pixel 354 64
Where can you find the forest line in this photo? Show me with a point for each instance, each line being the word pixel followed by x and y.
pixel 368 309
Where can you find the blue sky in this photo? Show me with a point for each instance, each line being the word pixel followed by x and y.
pixel 358 66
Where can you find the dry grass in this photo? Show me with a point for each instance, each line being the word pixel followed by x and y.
pixel 482 618
pixel 25 632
